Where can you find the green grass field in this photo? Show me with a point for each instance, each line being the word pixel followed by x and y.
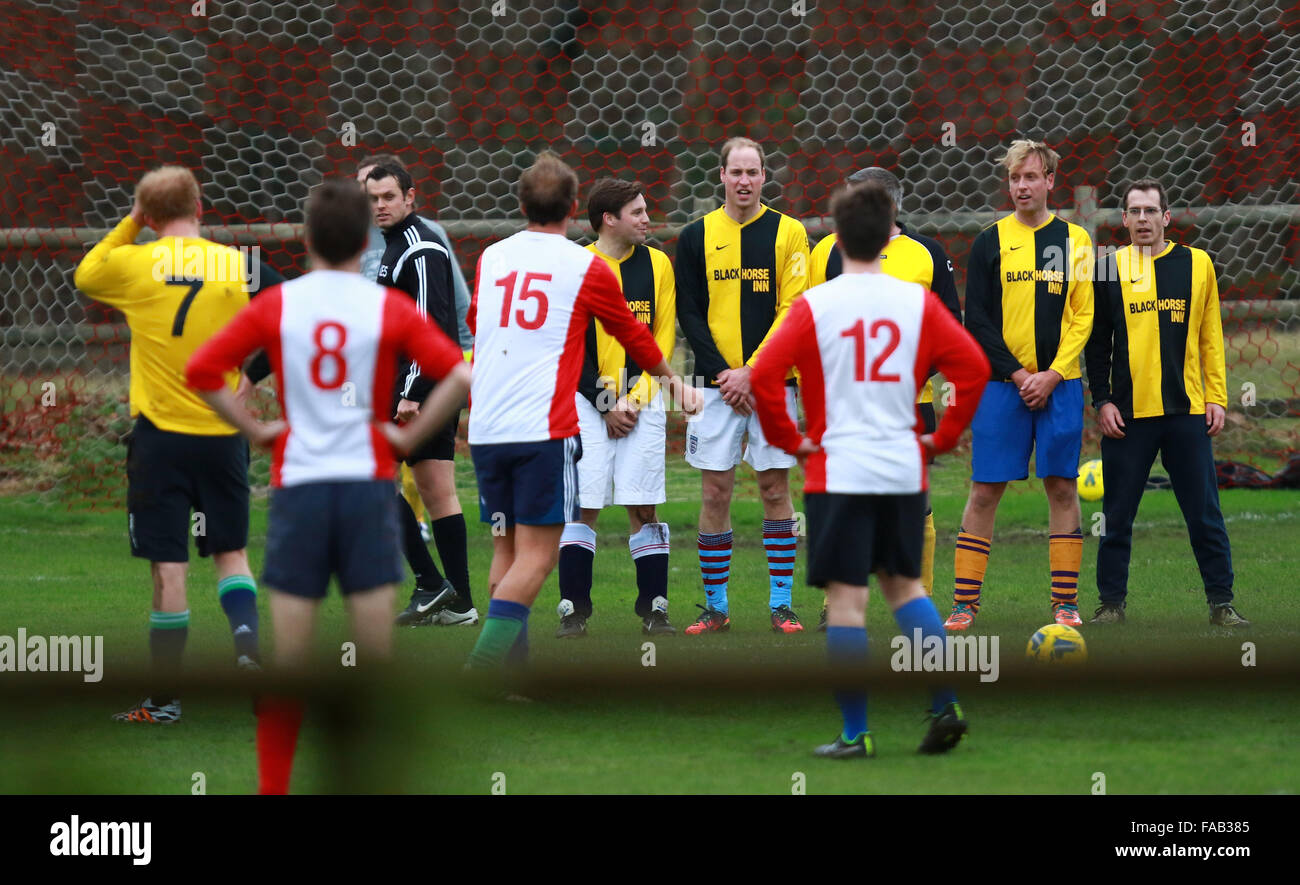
pixel 619 727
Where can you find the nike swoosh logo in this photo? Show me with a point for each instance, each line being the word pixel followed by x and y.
pixel 723 246
pixel 1013 248
pixel 424 608
pixel 1138 280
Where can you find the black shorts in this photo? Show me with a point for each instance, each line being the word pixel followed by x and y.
pixel 441 446
pixel 925 412
pixel 168 475
pixel 318 529
pixel 852 536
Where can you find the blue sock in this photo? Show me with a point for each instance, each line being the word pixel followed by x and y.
pixel 715 567
pixel 238 594
pixel 500 608
pixel 780 542
pixel 846 647
pixel 921 614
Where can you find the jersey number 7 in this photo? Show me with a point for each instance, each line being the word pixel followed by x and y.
pixel 178 324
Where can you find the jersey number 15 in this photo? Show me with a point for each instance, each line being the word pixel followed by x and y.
pixel 539 316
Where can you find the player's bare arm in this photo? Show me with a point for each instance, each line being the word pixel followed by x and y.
pixel 227 404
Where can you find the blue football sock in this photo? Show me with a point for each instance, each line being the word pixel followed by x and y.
pixel 780 542
pixel 238 595
pixel 715 567
pixel 921 614
pixel 846 648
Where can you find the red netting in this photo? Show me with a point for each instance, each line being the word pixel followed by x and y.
pixel 264 99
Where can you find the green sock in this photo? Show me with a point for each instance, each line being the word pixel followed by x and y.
pixel 494 642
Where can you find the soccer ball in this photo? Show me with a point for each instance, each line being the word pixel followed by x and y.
pixel 1057 643
pixel 1090 480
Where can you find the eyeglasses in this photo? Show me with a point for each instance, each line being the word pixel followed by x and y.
pixel 1143 212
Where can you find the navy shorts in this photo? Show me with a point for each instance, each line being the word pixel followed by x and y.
pixel 852 536
pixel 169 474
pixel 318 529
pixel 1004 432
pixel 532 483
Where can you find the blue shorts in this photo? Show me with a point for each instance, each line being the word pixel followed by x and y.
pixel 318 529
pixel 1005 431
pixel 533 483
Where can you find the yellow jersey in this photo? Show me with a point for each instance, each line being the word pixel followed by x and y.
pixel 1029 296
pixel 176 293
pixel 646 276
pixel 1157 339
pixel 735 283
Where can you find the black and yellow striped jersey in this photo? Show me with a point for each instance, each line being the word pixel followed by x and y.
pixel 735 283
pixel 646 276
pixel 176 293
pixel 1029 296
pixel 909 257
pixel 1157 331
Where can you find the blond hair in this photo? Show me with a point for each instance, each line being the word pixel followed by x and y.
pixel 167 194
pixel 1020 150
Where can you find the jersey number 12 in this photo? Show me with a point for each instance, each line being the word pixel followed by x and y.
pixel 858 334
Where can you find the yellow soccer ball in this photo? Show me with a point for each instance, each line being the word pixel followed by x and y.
pixel 1090 488
pixel 1057 644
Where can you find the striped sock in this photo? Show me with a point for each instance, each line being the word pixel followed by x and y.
pixel 715 567
pixel 780 542
pixel 1065 554
pixel 238 595
pixel 971 560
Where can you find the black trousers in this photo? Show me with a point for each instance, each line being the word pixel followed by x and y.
pixel 1188 458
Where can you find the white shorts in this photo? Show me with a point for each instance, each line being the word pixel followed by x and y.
pixel 622 471
pixel 713 437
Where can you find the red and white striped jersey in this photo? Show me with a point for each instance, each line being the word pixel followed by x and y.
pixel 533 297
pixel 864 344
pixel 333 339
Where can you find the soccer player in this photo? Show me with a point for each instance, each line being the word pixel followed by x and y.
pixel 864 344
pixel 622 419
pixel 738 269
pixel 534 294
pixel 1156 371
pixel 333 510
pixel 182 457
pixel 1029 305
pixel 417 263
pixel 912 258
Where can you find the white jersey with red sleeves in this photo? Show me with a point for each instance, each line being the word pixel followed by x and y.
pixel 333 339
pixel 864 344
pixel 533 297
